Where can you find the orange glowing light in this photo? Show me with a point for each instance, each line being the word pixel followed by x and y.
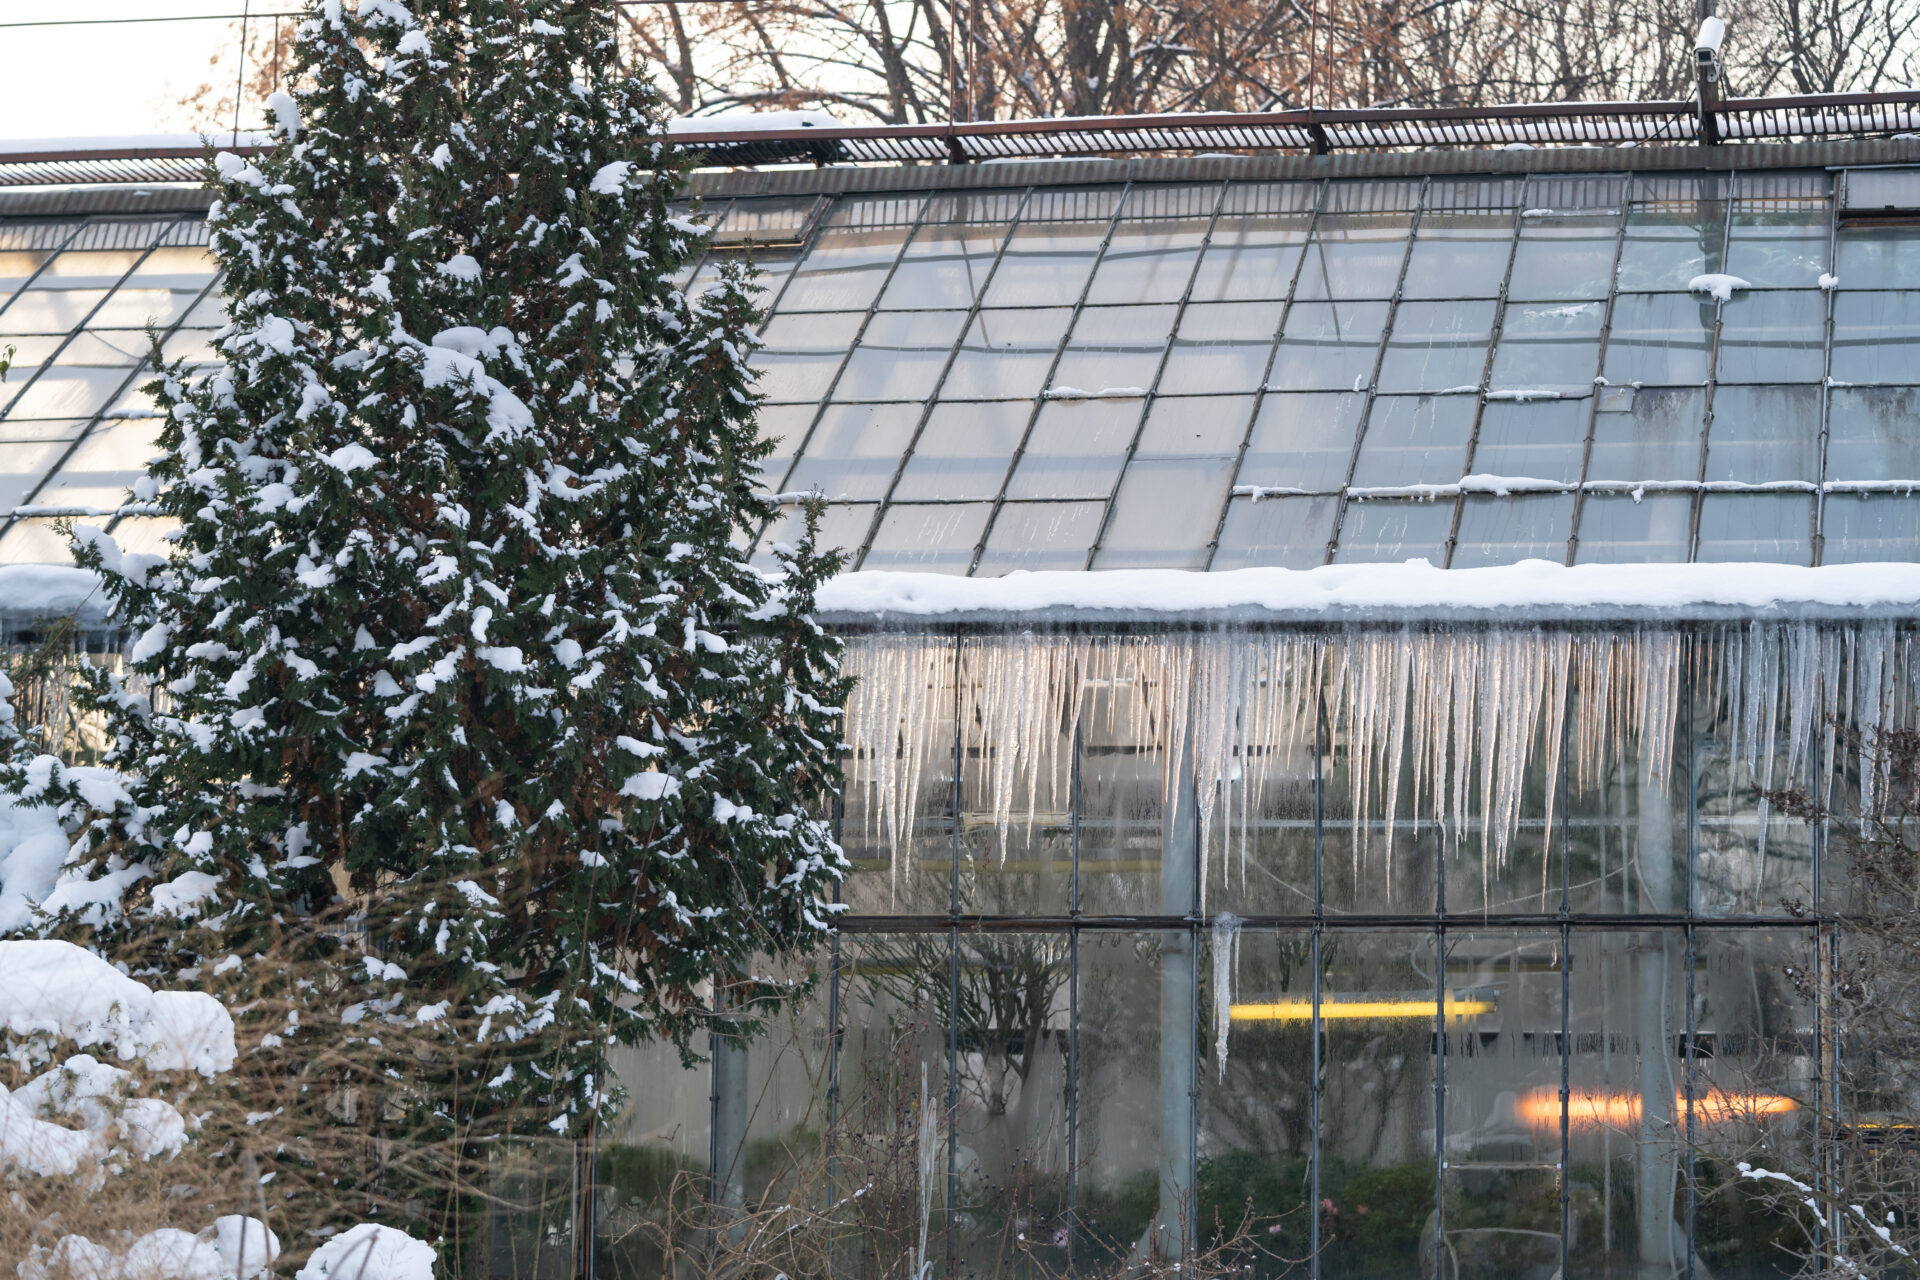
pixel 1300 1009
pixel 1593 1109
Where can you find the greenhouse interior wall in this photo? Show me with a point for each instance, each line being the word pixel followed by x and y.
pixel 1446 942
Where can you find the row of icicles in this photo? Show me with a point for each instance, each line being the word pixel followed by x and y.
pixel 1450 721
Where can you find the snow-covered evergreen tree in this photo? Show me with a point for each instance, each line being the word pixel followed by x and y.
pixel 456 641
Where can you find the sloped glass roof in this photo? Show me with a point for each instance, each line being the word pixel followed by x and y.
pixel 1205 375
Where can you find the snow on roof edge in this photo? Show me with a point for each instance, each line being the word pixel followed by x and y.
pixel 132 142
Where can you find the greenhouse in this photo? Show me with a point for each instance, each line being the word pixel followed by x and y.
pixel 1223 883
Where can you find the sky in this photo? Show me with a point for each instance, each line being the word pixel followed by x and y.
pixel 76 81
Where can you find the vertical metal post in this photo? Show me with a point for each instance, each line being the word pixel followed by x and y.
pixel 1826 398
pixel 1566 989
pixel 953 976
pixel 1073 1003
pixel 1316 1024
pixel 1693 850
pixel 1439 1058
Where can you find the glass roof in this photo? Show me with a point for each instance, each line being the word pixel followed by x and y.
pixel 1203 375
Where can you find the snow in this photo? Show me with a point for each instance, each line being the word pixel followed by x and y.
pixel 1105 393
pixel 1718 285
pixel 1829 281
pixel 55 990
pixel 353 457
pixel 1523 396
pixel 1528 588
pixel 461 266
pixel 233 1248
pixel 370 1252
pixel 286 113
pixel 610 179
pixel 119 144
pixel 751 122
pixel 1226 968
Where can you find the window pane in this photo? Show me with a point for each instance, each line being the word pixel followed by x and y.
pixel 933 538
pixel 1114 349
pixel 104 465
pixel 1303 441
pixel 900 356
pixel 1328 346
pixel 180 267
pixel 1253 251
pixel 66 391
pixel 22 466
pixel 1872 257
pixel 947 261
pixel 1221 346
pixel 1659 338
pixel 785 426
pixel 1773 337
pixel 1041 535
pixel 843 527
pixel 1873 434
pixel 1548 348
pixel 1415 440
pixel 801 355
pixel 1459 255
pixel 1762 434
pixel 1861 528
pixel 1289 532
pixel 855 450
pixel 1076 449
pixel 1151 254
pixel 1647 434
pixel 1052 251
pixel 130 308
pixel 1437 346
pixel 1876 337
pixel 1165 514
pixel 1563 257
pixel 1773 527
pixel 1778 250
pixel 1194 426
pixel 963 451
pixel 1540 441
pixel 848 260
pixel 35 542
pixel 79 269
pixel 16 268
pixel 1354 256
pixel 1006 354
pixel 1390 532
pixel 49 310
pixel 1669 243
pixel 1496 530
pixel 1618 528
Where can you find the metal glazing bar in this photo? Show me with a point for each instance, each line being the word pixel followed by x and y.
pixel 1599 364
pixel 951 1125
pixel 1486 380
pixel 1713 372
pixel 1826 382
pixel 1687 694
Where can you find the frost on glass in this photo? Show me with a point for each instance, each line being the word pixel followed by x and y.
pixel 937 537
pixel 1864 528
pixel 1374 532
pixel 1647 434
pixel 1285 532
pixel 1873 434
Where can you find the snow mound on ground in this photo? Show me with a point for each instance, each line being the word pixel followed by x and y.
pixel 370 1252
pixel 233 1248
pixel 55 990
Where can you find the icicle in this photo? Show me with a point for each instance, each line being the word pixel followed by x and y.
pixel 1226 974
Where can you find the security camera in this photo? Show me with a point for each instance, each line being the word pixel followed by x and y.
pixel 1706 45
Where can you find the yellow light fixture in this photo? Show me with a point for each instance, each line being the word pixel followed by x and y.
pixel 1619 1109
pixel 1300 1009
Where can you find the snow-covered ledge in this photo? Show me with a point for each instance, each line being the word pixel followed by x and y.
pixel 1533 590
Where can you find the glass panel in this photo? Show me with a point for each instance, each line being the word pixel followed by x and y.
pixel 898 826
pixel 1670 242
pixel 801 355
pixel 1391 532
pixel 1292 533
pixel 947 261
pixel 963 451
pixel 1151 254
pixel 1750 855
pixel 1624 1157
pixel 137 308
pixel 1165 514
pixel 1437 346
pixel 652 1159
pixel 1222 346
pixel 900 356
pixel 1114 350
pixel 1861 528
pixel 1647 434
pixel 1539 441
pixel 49 310
pixel 930 538
pixel 1531 526
pixel 35 542
pixel 106 463
pixel 1778 249
pixel 121 349
pixel 1076 449
pixel 1415 440
pixel 848 261
pixel 192 345
pixel 1772 337
pixel 22 466
pixel 1459 255
pixel 96 269
pixel 67 391
pixel 785 426
pixel 1354 256
pixel 1619 528
pixel 211 312
pixel 1548 348
pixel 1762 434
pixel 1329 346
pixel 16 268
pixel 1563 257
pixel 181 267
pixel 1006 354
pixel 1303 441
pixel 42 428
pixel 1376 1105
pixel 145 535
pixel 1194 426
pixel 1876 257
pixel 1501 1191
pixel 843 527
pixel 1253 252
pixel 1052 250
pixel 1041 535
pixel 1773 527
pixel 1659 338
pixel 1873 434
pixel 855 450
pixel 1876 337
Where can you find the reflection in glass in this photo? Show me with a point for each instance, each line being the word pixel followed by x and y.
pixel 1040 535
pixel 1252 253
pixel 900 355
pixel 1006 354
pixel 1867 256
pixel 1076 449
pixel 1288 532
pixel 1328 346
pixel 1667 244
pixel 1221 346
pixel 1303 440
pixel 1873 433
pixel 1459 255
pixel 1165 514
pixel 1415 440
pixel 1150 256
pixel 1876 337
pixel 1622 528
pixel 1114 349
pixel 1762 434
pixel 855 449
pixel 1773 336
pixel 1194 426
pixel 1541 440
pixel 1563 257
pixel 1394 531
pixel 1858 528
pixel 1437 346
pixel 1773 527
pixel 1506 530
pixel 963 451
pixel 1047 262
pixel 928 537
pixel 1548 347
pixel 1659 338
pixel 1650 434
pixel 1354 255
pixel 947 261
